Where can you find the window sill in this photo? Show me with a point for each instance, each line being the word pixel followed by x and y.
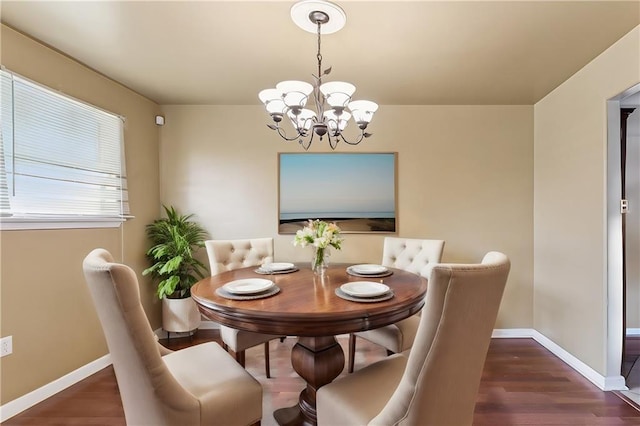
pixel 31 223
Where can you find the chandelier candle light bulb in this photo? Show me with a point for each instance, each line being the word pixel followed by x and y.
pixel 332 99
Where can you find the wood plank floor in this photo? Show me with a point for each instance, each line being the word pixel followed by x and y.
pixel 522 384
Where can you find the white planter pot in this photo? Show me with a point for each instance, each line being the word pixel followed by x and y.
pixel 180 315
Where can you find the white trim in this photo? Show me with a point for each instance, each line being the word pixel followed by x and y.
pixel 204 325
pixel 616 382
pixel 24 402
pixel 19 224
pixel 633 331
pixel 613 237
pixel 604 383
pixel 209 325
pixel 512 333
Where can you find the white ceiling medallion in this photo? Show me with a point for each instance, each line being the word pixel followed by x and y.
pixel 301 14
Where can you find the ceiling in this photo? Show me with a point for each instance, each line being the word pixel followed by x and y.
pixel 395 52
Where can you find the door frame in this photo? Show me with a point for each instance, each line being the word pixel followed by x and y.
pixel 614 296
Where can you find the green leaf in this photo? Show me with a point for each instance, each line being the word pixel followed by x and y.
pixel 151 269
pixel 171 265
pixel 168 286
pixel 174 240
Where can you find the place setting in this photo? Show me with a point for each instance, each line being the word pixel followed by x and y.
pixel 248 289
pixel 276 268
pixel 364 291
pixel 368 270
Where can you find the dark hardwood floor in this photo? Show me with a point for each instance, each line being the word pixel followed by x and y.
pixel 522 384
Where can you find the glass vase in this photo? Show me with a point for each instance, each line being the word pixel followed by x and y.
pixel 320 261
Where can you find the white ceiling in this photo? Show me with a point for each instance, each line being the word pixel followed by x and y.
pixel 395 52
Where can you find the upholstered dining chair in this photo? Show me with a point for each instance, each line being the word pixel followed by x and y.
pixel 436 382
pixel 199 385
pixel 227 255
pixel 413 255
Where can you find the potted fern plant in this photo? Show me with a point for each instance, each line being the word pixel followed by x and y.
pixel 174 240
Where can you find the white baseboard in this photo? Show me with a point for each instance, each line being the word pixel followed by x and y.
pixel 24 402
pixel 604 383
pixel 204 325
pixel 512 333
pixel 20 404
pixel 209 325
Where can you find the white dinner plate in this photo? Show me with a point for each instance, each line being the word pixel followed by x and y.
pixel 368 269
pixel 248 286
pixel 364 288
pixel 276 267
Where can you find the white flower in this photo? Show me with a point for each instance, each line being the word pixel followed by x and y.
pixel 321 242
pixel 320 234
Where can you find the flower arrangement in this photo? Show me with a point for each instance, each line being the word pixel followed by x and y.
pixel 320 235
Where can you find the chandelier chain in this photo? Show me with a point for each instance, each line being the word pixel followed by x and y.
pixel 318 96
pixel 319 55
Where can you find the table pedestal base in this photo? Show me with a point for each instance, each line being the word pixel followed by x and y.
pixel 318 360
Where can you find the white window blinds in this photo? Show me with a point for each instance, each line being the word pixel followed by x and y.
pixel 60 157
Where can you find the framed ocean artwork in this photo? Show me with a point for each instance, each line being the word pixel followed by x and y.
pixel 357 191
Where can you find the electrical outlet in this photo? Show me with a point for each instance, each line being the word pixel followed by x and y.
pixel 6 346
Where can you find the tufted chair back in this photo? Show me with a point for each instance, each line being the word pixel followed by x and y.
pixel 198 385
pixel 440 382
pixel 411 254
pixel 150 394
pixel 227 255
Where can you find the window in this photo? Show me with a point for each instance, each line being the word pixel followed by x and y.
pixel 61 160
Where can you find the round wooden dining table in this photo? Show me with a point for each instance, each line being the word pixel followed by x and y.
pixel 308 307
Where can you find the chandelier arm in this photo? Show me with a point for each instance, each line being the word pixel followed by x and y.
pixel 308 145
pixel 356 142
pixel 333 141
pixel 283 133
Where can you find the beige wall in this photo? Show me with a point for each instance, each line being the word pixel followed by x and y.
pixel 570 285
pixel 44 302
pixel 465 175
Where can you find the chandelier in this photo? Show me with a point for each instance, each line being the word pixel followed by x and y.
pixel 333 104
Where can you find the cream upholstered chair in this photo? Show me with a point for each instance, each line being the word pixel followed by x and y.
pixel 436 382
pixel 413 255
pixel 199 385
pixel 227 255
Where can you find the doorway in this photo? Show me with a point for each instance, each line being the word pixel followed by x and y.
pixel 623 245
pixel 630 174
